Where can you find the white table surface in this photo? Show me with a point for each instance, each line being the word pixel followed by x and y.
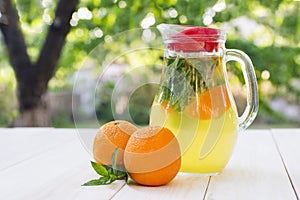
pixel 48 163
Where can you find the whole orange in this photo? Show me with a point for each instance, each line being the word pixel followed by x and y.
pixel 110 136
pixel 152 156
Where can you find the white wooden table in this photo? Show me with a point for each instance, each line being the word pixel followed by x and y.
pixel 51 163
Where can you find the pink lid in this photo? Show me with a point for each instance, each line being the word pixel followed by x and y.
pixel 194 39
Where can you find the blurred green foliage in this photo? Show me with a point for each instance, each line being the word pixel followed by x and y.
pixel 273 43
pixel 7 96
pixel 140 103
pixel 103 106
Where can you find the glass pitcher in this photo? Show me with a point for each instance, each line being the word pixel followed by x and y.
pixel 194 100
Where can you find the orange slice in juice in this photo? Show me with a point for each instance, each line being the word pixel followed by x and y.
pixel 210 104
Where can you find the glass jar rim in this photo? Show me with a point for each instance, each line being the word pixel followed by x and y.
pixel 181 32
pixel 191 38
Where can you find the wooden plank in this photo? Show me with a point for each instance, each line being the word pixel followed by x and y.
pixel 288 141
pixel 86 136
pixel 254 172
pixel 54 174
pixel 182 187
pixel 18 144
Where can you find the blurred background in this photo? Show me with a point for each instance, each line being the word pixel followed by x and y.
pixel 37 77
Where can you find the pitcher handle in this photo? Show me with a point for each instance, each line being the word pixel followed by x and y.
pixel 251 109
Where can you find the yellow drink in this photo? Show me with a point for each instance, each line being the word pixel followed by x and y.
pixel 206 145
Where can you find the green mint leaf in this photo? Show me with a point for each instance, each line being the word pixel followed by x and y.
pixel 91 183
pixel 108 168
pixel 122 176
pixel 118 171
pixel 106 180
pixel 109 173
pixel 101 181
pixel 94 182
pixel 100 169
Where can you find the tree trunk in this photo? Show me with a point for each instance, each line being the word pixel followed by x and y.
pixel 32 78
pixel 37 116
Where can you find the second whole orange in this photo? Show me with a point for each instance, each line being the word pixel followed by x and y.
pixel 152 156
